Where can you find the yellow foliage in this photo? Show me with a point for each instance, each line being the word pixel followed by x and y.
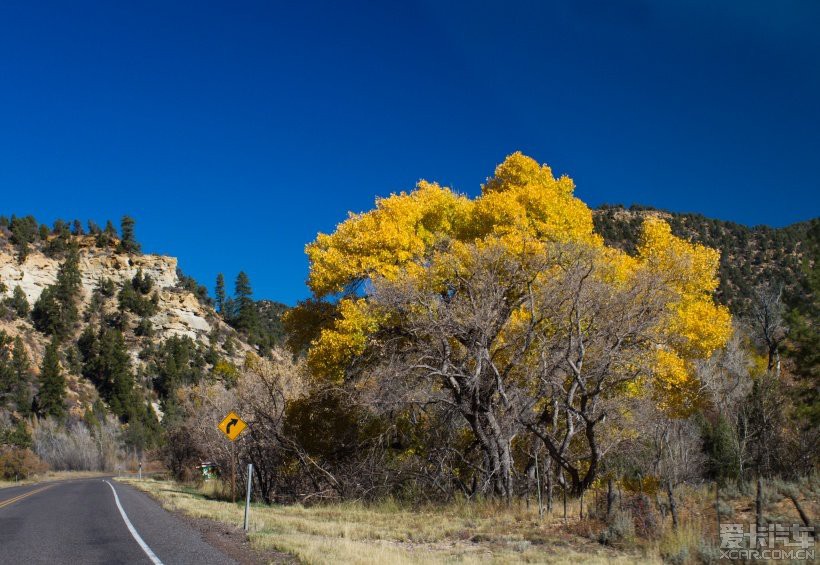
pixel 690 268
pixel 429 235
pixel 402 228
pixel 675 385
pixel 337 346
pixel 524 198
pixel 699 326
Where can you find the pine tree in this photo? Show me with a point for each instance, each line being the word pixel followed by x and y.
pixel 23 232
pixel 220 293
pixel 51 398
pixel 55 312
pixel 128 241
pixel 21 366
pixel 106 363
pixel 110 230
pixel 19 302
pixel 6 371
pixel 246 315
pixel 69 278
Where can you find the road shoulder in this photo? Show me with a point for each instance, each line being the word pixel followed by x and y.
pixel 226 538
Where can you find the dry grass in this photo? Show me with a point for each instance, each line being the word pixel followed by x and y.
pixel 50 476
pixel 390 533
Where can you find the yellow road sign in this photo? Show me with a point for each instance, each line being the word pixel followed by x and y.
pixel 232 426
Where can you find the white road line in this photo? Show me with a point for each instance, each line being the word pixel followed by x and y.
pixel 151 555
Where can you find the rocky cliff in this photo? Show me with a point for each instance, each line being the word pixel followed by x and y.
pixel 179 312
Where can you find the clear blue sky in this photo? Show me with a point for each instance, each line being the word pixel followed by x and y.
pixel 235 131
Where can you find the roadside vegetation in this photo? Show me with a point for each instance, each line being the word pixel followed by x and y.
pixel 485 531
pixel 388 532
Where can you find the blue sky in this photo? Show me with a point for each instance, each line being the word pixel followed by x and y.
pixel 235 131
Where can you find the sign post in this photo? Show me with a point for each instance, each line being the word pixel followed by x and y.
pixel 232 425
pixel 248 494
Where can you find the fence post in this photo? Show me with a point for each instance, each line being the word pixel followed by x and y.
pixel 248 494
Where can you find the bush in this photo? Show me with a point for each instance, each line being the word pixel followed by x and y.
pixel 646 522
pixel 724 509
pixel 19 463
pixel 620 529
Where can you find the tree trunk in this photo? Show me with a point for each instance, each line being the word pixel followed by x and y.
pixel 803 515
pixel 581 504
pixel 564 489
pixel 538 486
pixel 673 507
pixel 759 503
pixel 610 498
pixel 548 471
pixel 496 451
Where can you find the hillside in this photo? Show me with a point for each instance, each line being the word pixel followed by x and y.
pixel 160 316
pixel 749 255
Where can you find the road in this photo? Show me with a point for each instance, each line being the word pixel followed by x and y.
pixel 79 522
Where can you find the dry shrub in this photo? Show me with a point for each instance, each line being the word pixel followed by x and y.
pixel 18 463
pixel 647 522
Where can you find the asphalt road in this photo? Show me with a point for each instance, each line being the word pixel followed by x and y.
pixel 78 522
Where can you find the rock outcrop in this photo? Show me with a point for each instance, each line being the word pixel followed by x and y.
pixel 179 312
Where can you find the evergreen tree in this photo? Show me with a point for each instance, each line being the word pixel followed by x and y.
pixel 110 230
pixel 21 365
pixel 17 436
pixel 19 302
pixel 23 232
pixel 107 364
pixel 246 315
pixel 55 312
pixel 51 398
pixel 133 297
pixel 220 293
pixel 7 380
pixel 69 278
pixel 128 241
pixel 77 228
pixel 177 361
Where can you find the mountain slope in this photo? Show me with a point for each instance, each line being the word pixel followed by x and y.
pixel 141 296
pixel 749 255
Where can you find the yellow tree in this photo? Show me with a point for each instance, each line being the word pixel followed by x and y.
pixel 510 309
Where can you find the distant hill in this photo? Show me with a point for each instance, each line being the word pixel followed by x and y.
pixel 749 255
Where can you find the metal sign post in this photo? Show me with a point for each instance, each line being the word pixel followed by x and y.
pixel 248 494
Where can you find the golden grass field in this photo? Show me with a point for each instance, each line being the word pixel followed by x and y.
pixel 483 532
pixel 478 532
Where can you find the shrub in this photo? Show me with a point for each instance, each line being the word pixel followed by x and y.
pixel 724 509
pixel 620 529
pixel 19 463
pixel 647 524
